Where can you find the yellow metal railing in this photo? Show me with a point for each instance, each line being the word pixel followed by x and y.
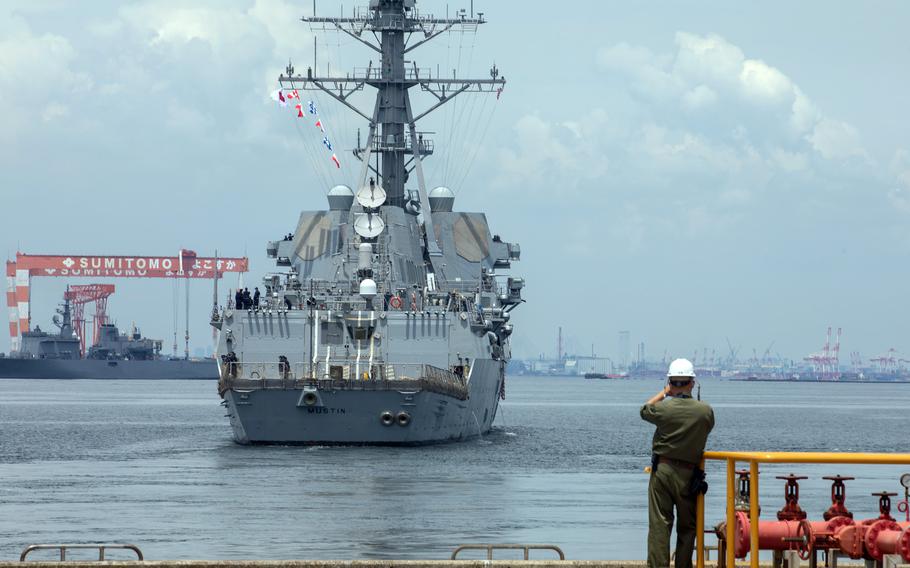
pixel 755 458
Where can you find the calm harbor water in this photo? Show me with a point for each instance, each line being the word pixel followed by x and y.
pixel 152 463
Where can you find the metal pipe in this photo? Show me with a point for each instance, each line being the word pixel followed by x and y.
pixel 700 526
pixel 813 457
pixel 753 513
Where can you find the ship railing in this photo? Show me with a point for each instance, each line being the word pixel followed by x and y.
pixel 63 548
pixel 753 459
pixel 411 73
pixel 342 375
pixel 403 143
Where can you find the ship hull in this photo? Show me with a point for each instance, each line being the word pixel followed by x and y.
pixel 354 417
pixel 11 368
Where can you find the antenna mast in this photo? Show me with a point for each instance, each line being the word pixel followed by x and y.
pixel 398 27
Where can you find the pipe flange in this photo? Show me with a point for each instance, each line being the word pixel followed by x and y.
pixel 871 536
pixel 742 544
pixel 837 522
pixel 850 540
pixel 903 544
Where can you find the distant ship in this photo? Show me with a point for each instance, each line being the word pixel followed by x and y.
pixel 44 355
pixel 606 375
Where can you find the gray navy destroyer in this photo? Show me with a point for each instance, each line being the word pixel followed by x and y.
pixel 114 356
pixel 387 318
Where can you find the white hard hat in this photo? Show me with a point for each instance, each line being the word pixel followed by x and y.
pixel 681 368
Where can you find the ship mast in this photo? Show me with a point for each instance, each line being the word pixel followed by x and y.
pixel 398 27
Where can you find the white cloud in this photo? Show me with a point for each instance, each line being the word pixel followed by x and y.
pixel 228 29
pixel 546 151
pixel 765 83
pixel 168 23
pixel 699 97
pixel 648 70
pixel 804 113
pixel 710 72
pixel 705 128
pixel 834 140
pixel 35 75
pixel 707 59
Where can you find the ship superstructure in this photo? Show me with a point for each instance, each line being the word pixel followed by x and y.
pixel 387 321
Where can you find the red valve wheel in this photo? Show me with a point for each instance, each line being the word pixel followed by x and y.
pixel 806 546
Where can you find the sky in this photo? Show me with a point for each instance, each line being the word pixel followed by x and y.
pixel 691 172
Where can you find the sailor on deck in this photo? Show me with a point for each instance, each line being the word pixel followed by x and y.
pixel 683 424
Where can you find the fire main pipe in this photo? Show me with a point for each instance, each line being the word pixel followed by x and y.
pixel 783 534
pixel 870 539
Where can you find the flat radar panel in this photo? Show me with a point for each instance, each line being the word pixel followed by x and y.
pixel 312 238
pixel 471 241
pixel 371 196
pixel 368 225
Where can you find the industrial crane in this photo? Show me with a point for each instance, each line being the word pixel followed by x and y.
pixel 186 265
pixel 79 296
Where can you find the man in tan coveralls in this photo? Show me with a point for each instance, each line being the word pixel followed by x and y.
pixel 683 424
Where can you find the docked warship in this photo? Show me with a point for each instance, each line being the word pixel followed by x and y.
pixel 387 319
pixel 114 355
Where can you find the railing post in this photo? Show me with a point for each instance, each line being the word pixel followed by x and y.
pixel 753 513
pixel 700 526
pixel 731 514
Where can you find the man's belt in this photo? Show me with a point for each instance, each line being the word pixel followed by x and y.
pixel 678 463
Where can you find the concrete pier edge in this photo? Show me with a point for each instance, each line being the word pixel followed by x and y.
pixel 345 564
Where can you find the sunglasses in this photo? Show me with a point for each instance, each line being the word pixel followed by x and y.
pixel 680 383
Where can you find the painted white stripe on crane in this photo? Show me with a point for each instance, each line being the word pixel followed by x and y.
pixel 22 278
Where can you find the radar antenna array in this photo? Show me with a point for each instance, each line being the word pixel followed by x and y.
pixel 368 225
pixel 371 196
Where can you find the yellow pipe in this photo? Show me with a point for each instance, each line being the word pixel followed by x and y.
pixel 753 513
pixel 731 522
pixel 700 526
pixel 812 457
